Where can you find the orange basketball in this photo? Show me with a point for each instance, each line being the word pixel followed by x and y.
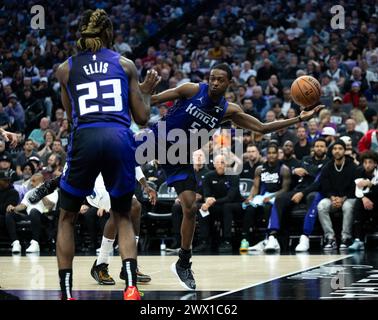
pixel 305 91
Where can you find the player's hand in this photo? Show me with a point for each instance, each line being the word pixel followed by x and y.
pixel 306 115
pixel 150 82
pixel 296 198
pixel 9 137
pixel 204 207
pixel 151 194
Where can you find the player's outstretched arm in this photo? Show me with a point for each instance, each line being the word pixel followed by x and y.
pixel 9 136
pixel 245 121
pixel 186 90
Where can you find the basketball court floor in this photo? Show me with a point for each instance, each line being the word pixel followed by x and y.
pixel 219 277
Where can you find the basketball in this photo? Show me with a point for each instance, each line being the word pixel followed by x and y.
pixel 305 91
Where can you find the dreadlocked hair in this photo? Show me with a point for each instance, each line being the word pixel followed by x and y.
pixel 92 28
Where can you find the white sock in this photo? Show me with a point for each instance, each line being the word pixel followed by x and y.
pixel 106 247
pixel 136 239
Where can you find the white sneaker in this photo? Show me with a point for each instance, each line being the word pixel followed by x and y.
pixel 16 246
pixel 258 247
pixel 34 247
pixel 303 245
pixel 272 245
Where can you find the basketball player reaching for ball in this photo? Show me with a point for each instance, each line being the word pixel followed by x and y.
pixel 99 89
pixel 198 106
pixel 202 106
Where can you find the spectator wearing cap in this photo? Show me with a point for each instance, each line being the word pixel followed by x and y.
pixel 6 163
pixel 8 195
pixel 338 116
pixel 23 184
pixel 350 131
pixel 37 163
pixel 15 112
pixel 337 185
pixel 163 109
pixel 353 96
pixel 329 134
pixel 23 156
pixel 37 134
pixel 349 151
pixel 34 213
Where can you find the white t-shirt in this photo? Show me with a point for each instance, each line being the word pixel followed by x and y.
pixel 53 197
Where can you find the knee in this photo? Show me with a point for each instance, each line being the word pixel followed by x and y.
pixel 190 210
pixel 323 206
pixel 67 218
pixel 136 207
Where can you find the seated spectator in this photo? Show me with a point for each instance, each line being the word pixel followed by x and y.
pixel 247 72
pixel 283 135
pixel 337 186
pixel 64 133
pixel 369 113
pixel 266 71
pixel 23 156
pixel 251 83
pixel 329 135
pixel 247 105
pixel 274 87
pixel 313 132
pixel 325 119
pixel 356 77
pixel 288 102
pixel 35 213
pixel 361 123
pixel 16 113
pixel 57 148
pixel 369 141
pixel 23 185
pixel 37 135
pixel 253 160
pixel 337 75
pixel 6 164
pixel 350 131
pixel 259 102
pixel 329 88
pixel 222 203
pixel 154 173
pixel 46 147
pixel 271 179
pixel 289 159
pixel 338 116
pixel 302 148
pixel 59 116
pixel 366 206
pixel 54 167
pixel 353 96
pixel 8 195
pixel 277 109
pixel 37 163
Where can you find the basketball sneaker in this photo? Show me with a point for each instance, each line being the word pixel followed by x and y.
pixel 357 245
pixel 101 274
pixel 259 247
pixel 185 275
pixel 141 277
pixel 272 245
pixel 131 293
pixel 303 245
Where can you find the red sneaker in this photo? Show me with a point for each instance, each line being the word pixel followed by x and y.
pixel 131 293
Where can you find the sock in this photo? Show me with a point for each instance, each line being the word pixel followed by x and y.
pixel 106 247
pixel 184 258
pixel 65 276
pixel 130 271
pixel 136 239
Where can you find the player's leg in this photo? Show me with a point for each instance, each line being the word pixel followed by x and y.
pixel 99 270
pixel 182 268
